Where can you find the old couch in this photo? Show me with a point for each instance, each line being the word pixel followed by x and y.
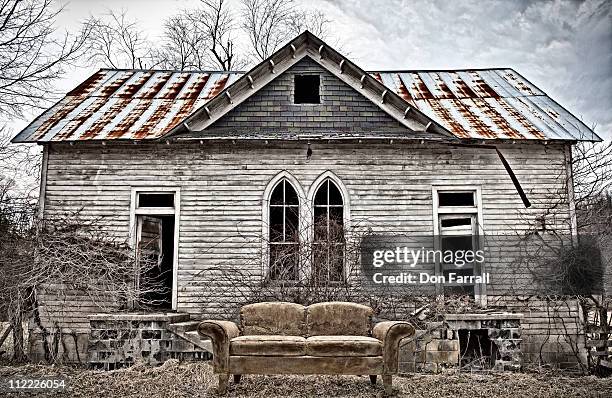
pixel 287 338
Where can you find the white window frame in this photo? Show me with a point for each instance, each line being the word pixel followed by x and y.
pixel 159 211
pixel 480 291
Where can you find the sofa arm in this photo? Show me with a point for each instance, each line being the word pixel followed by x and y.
pixel 390 334
pixel 220 334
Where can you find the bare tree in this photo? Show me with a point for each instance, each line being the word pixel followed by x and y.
pixel 200 38
pixel 117 42
pixel 66 257
pixel 184 44
pixel 315 21
pixel 592 179
pixel 19 169
pixel 32 54
pixel 219 23
pixel 270 23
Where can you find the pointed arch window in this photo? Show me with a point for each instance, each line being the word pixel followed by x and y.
pixel 329 239
pixel 284 223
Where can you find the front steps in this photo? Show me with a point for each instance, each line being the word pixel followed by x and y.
pixel 122 339
pixel 188 330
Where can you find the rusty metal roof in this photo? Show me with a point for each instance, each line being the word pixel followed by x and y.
pixel 126 104
pixel 487 104
pixel 141 104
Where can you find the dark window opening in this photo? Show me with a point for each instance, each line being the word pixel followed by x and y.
pixel 306 89
pixel 155 200
pixel 284 226
pixel 456 222
pixel 328 233
pixel 477 350
pixel 456 199
pixel 456 243
pixel 155 260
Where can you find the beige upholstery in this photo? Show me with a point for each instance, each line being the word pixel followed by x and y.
pixel 390 334
pixel 343 346
pixel 268 345
pixel 220 333
pixel 323 338
pixel 273 318
pixel 338 318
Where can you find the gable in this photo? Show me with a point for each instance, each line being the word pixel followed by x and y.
pixel 341 108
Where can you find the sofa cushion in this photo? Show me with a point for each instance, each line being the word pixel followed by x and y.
pixel 338 318
pixel 275 318
pixel 268 345
pixel 343 346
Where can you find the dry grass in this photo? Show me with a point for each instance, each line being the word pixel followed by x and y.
pixel 196 380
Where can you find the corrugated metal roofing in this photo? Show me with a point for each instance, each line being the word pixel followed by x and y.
pixel 126 104
pixel 137 104
pixel 487 104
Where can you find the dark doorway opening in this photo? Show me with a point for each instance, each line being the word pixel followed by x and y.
pixel 156 261
pixel 476 350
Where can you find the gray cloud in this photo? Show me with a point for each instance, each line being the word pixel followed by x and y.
pixel 564 47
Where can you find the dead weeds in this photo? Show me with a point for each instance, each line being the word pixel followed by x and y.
pixel 197 380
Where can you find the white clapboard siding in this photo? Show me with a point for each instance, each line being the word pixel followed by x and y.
pixel 222 184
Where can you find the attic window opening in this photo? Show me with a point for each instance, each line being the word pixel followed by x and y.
pixel 306 89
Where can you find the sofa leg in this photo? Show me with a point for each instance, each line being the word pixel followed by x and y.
pixel 387 383
pixel 223 379
pixel 237 378
pixel 373 379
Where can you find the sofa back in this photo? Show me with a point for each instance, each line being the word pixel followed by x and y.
pixel 338 318
pixel 330 318
pixel 281 318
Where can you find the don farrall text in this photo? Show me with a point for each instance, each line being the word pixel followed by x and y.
pixel 394 266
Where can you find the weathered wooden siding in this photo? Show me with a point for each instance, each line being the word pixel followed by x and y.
pixel 222 187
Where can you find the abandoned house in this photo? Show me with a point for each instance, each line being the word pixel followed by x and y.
pixel 217 171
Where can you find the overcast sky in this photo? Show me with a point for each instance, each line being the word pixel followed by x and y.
pixel 564 47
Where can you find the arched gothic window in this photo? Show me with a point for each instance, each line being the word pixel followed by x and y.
pixel 284 223
pixel 329 241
